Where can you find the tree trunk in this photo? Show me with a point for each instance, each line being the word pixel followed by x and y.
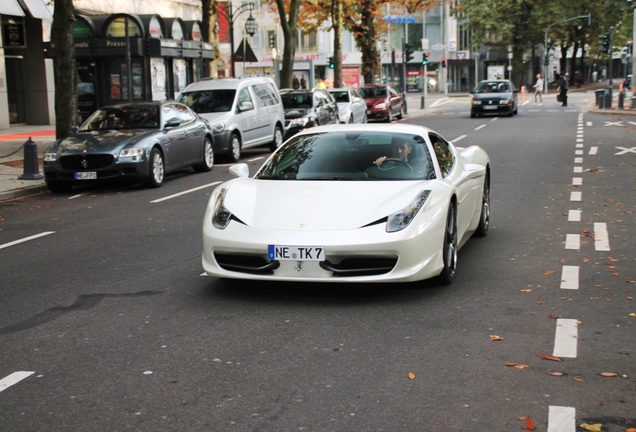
pixel 366 43
pixel 289 26
pixel 337 43
pixel 65 69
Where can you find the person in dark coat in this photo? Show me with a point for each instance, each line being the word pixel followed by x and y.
pixel 563 90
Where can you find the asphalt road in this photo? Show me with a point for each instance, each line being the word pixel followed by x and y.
pixel 108 307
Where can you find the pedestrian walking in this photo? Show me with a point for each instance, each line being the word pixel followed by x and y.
pixel 538 88
pixel 563 90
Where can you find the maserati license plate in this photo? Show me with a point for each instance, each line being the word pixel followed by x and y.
pixel 296 253
pixel 90 175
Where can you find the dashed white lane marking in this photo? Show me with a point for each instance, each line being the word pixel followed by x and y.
pixel 632 123
pixel 480 127
pixel 601 238
pixel 570 277
pixel 461 137
pixel 579 140
pixel 589 123
pixel 577 169
pixel 577 181
pixel 578 152
pixel 256 159
pixel 14 378
pixel 573 241
pixel 575 196
pixel 185 192
pixel 578 160
pixel 593 150
pixel 574 216
pixel 579 145
pixel 33 237
pixel 565 339
pixel 561 419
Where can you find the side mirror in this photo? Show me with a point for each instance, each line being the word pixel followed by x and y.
pixel 240 170
pixel 173 122
pixel 245 106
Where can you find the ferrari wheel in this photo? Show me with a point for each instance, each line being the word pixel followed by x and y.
pixel 157 169
pixel 484 218
pixel 449 250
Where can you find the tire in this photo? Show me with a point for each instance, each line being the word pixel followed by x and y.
pixel 350 119
pixel 365 119
pixel 59 187
pixel 449 248
pixel 400 115
pixel 278 139
pixel 484 217
pixel 208 157
pixel 473 115
pixel 234 154
pixel 156 170
pixel 389 116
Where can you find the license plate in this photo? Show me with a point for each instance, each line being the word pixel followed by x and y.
pixel 489 107
pixel 296 253
pixel 90 175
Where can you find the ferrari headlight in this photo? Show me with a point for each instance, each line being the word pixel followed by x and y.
pixel 218 127
pixel 476 102
pixel 50 157
pixel 134 153
pixel 401 219
pixel 221 216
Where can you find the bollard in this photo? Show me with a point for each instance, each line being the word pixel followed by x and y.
pixel 406 110
pixel 523 92
pixel 422 103
pixel 31 168
pixel 621 100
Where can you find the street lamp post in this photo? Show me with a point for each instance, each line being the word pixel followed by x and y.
pixel 231 15
pixel 251 26
pixel 545 46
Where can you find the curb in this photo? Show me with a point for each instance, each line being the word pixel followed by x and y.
pixel 22 192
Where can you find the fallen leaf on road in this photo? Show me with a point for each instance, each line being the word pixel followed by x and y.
pixel 521 366
pixel 556 373
pixel 549 272
pixel 609 374
pixel 631 430
pixel 411 375
pixel 529 424
pixel 549 357
pixel 578 379
pixel 591 427
pixel 554 316
pixel 632 314
pixel 526 290
pixel 496 338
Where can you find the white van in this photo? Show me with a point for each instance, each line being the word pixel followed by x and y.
pixel 243 112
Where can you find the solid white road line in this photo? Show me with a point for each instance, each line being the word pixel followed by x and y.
pixel 601 237
pixel 13 243
pixel 574 216
pixel 573 241
pixel 565 339
pixel 561 419
pixel 14 378
pixel 185 192
pixel 570 277
pixel 575 196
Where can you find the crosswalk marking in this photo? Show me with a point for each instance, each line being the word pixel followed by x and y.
pixel 566 337
pixel 570 277
pixel 561 419
pixel 601 237
pixel 13 379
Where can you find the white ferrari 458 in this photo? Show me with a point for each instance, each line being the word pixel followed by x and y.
pixel 350 203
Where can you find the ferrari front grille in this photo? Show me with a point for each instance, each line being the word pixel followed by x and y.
pixel 360 266
pixel 246 263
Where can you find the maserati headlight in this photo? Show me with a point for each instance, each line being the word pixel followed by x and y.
pixel 221 216
pixel 300 121
pixel 134 153
pixel 401 219
pixel 50 157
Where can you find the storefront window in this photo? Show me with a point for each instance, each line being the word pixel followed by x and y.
pixel 118 80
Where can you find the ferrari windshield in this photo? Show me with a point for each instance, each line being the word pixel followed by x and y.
pixel 351 155
pixel 134 116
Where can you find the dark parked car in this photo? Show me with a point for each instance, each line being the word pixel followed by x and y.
pixel 383 102
pixel 307 108
pixel 141 141
pixel 494 97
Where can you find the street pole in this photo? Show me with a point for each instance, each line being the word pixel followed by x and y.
pixel 231 15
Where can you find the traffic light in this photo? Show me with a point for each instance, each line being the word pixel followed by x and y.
pixel 605 42
pixel 331 63
pixel 443 62
pixel 272 40
pixel 546 62
pixel 408 52
pixel 424 59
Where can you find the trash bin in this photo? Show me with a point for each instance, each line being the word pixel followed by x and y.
pixel 600 98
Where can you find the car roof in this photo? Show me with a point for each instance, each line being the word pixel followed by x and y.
pixel 226 83
pixel 370 127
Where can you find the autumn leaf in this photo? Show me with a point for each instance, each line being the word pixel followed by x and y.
pixel 631 430
pixel 591 427
pixel 521 366
pixel 549 272
pixel 554 316
pixel 526 290
pixel 632 314
pixel 609 374
pixel 496 338
pixel 529 424
pixel 556 373
pixel 549 357
pixel 411 375
pixel 578 379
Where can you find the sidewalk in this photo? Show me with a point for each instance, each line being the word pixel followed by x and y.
pixel 12 159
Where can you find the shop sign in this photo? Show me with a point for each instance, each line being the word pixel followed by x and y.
pixel 13 35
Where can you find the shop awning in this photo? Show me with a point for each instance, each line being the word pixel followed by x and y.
pixel 38 9
pixel 11 7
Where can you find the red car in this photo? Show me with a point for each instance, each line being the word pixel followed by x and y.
pixel 383 102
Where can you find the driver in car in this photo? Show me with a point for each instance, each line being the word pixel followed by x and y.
pixel 400 147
